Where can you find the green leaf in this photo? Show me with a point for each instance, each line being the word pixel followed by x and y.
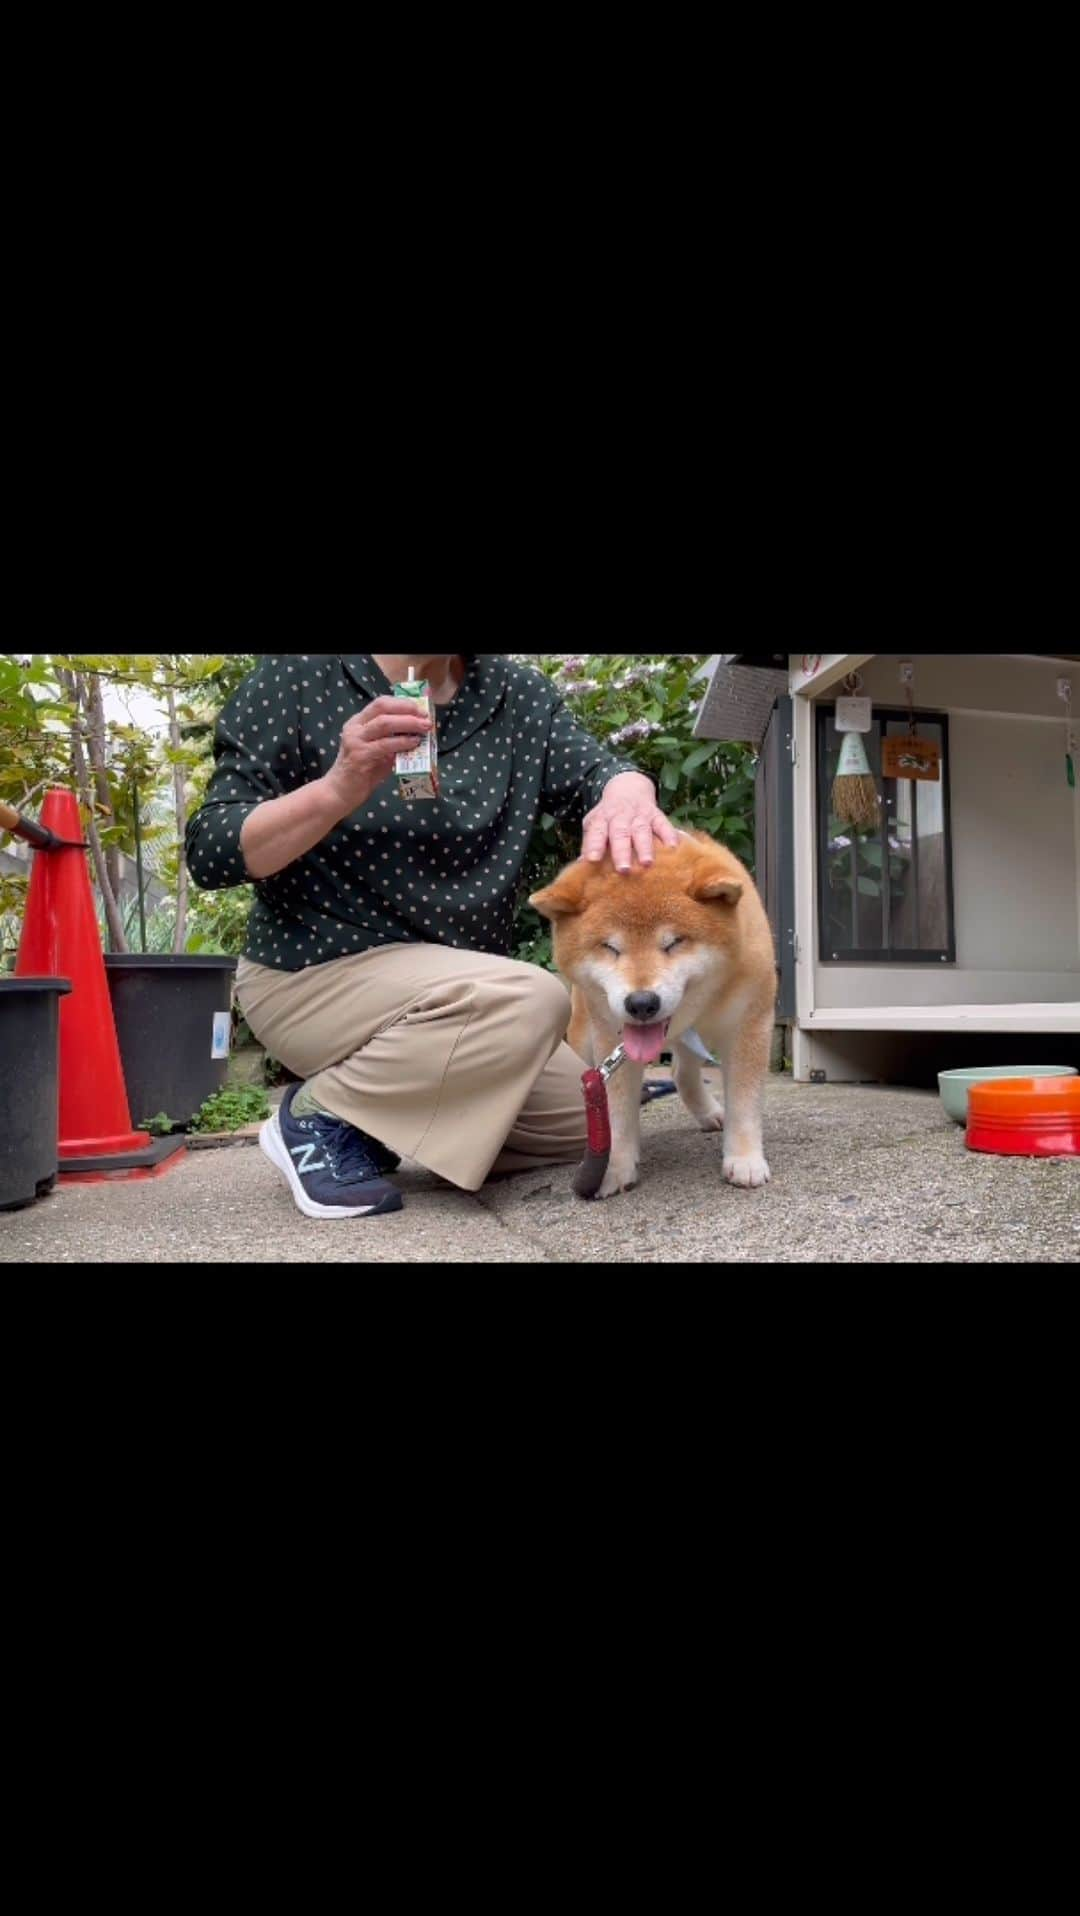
pixel 698 756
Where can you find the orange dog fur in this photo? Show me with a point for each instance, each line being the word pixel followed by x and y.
pixel 651 953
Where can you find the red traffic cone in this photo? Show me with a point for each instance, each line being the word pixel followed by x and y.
pixel 60 938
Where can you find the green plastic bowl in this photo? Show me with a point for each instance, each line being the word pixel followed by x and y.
pixel 955 1085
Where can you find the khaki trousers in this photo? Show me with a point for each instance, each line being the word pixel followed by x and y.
pixel 450 1057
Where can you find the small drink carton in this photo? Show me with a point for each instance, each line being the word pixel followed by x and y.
pixel 417 771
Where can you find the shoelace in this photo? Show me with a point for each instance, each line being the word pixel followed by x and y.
pixel 348 1154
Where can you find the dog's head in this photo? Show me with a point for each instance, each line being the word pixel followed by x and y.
pixel 645 938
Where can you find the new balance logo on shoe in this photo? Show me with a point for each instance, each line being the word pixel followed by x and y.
pixel 303 1153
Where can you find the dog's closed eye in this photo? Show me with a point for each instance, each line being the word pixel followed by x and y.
pixel 612 948
pixel 671 943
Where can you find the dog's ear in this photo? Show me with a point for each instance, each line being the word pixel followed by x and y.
pixel 565 896
pixel 712 883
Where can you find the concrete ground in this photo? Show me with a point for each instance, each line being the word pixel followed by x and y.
pixel 859 1173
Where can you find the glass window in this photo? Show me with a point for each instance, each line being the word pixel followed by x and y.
pixel 886 894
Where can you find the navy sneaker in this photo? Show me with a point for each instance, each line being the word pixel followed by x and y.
pixel 331 1168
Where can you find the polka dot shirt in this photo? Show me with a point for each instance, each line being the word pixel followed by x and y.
pixel 443 872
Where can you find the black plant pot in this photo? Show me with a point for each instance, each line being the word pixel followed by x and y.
pixel 171 1015
pixel 29 1087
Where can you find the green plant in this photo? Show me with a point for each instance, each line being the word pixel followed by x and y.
pixel 217 920
pixel 159 1126
pixel 230 1109
pixel 34 722
pixel 159 926
pixel 59 726
pixel 854 866
pixel 13 888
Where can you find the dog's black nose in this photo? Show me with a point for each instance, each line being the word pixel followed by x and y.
pixel 643 1005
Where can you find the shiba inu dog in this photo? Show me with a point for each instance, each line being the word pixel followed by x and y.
pixel 683 945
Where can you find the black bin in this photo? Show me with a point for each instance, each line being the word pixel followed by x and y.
pixel 165 1009
pixel 29 1087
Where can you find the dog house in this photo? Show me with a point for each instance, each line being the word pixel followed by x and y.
pixel 958 912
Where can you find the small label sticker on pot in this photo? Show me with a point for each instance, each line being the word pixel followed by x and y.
pixel 222 1028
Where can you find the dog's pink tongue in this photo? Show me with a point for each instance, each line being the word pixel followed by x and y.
pixel 643 1043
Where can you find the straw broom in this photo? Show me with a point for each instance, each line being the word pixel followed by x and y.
pixel 854 794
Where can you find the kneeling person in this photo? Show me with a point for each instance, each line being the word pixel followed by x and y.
pixel 376 967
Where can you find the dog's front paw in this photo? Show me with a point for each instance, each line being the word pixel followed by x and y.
pixel 747 1172
pixel 619 1177
pixel 713 1119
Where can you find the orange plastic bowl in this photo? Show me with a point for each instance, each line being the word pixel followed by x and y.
pixel 1025 1117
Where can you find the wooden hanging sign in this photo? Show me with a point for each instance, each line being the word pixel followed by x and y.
pixel 907 757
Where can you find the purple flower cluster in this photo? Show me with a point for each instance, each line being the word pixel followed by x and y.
pixel 637 675
pixel 634 733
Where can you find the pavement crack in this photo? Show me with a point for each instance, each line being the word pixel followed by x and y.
pixel 551 1254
